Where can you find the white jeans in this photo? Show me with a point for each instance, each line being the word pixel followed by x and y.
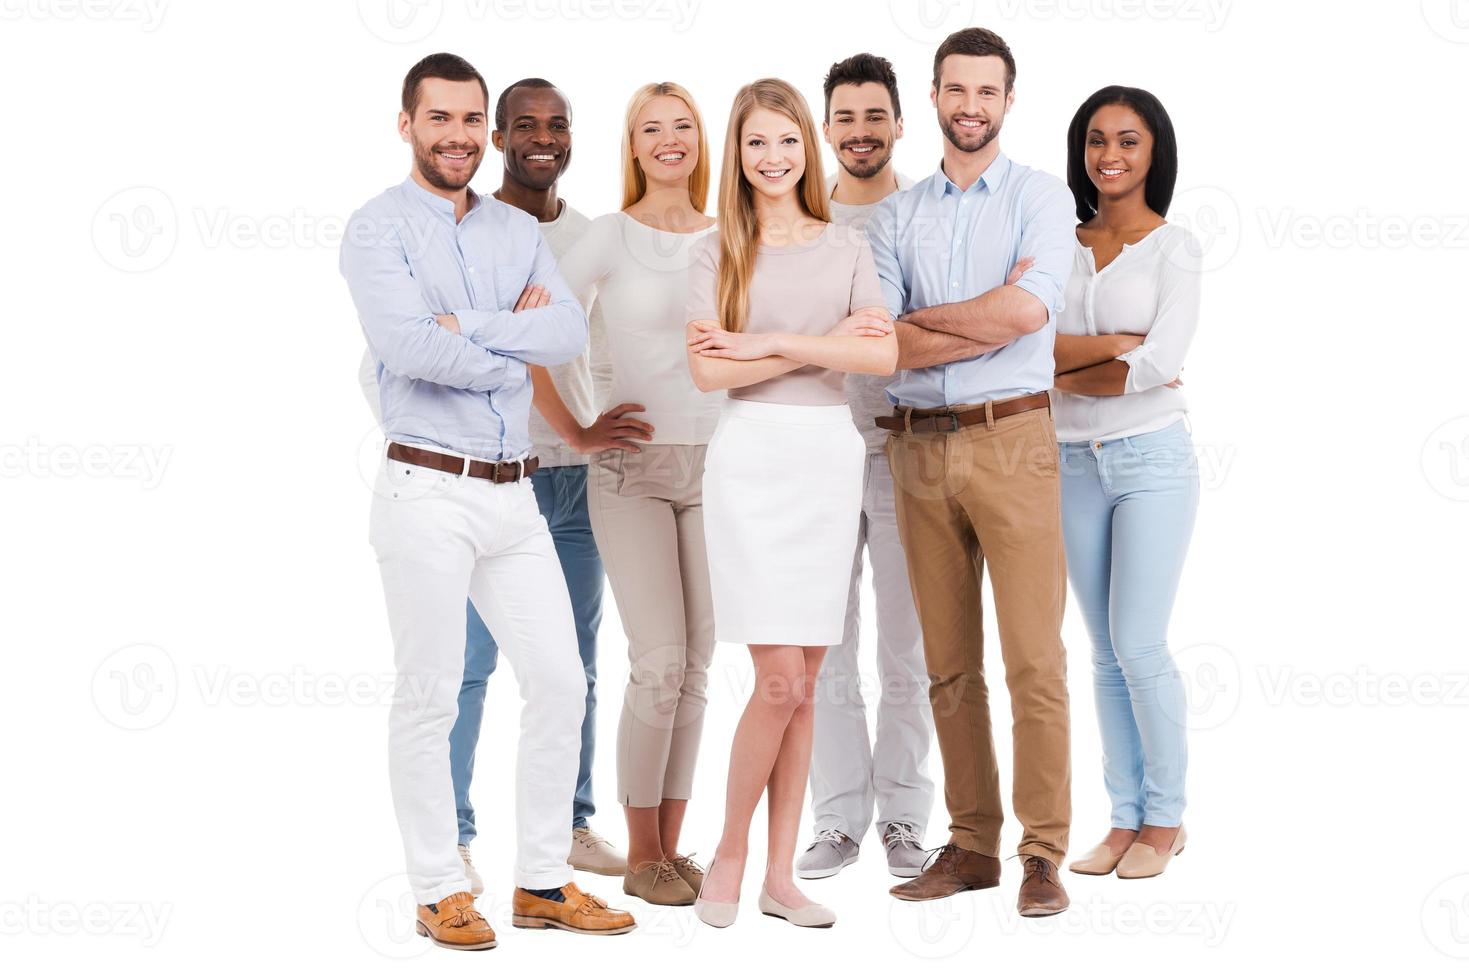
pixel 439 537
pixel 846 772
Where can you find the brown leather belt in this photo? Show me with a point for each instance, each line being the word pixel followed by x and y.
pixel 940 420
pixel 506 471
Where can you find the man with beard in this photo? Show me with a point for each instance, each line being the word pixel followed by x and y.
pixel 458 295
pixel 849 773
pixel 974 460
pixel 533 133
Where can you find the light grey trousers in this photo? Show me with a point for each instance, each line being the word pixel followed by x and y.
pixel 849 771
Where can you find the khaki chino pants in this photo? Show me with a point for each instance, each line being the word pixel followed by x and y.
pixel 990 494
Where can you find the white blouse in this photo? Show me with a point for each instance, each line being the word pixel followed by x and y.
pixel 1151 288
pixel 638 277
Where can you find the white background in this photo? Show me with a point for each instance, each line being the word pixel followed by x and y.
pixel 197 660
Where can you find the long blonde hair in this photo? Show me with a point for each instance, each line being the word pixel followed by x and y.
pixel 739 229
pixel 634 181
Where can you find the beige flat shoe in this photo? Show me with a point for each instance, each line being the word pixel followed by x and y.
pixel 720 915
pixel 812 916
pixel 1098 861
pixel 1141 861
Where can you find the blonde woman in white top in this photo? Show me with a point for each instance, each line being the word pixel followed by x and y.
pixel 645 486
pixel 1129 481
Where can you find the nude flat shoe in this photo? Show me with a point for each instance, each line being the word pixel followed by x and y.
pixel 1141 861
pixel 812 916
pixel 720 915
pixel 1098 861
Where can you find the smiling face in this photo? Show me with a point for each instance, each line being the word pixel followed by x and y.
pixel 861 129
pixel 772 153
pixel 971 99
pixel 665 140
pixel 1119 151
pixel 447 132
pixel 537 137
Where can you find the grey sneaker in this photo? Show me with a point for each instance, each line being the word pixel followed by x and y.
pixel 829 853
pixel 905 850
pixel 476 883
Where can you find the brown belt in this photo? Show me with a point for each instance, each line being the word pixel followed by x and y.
pixel 940 420
pixel 507 471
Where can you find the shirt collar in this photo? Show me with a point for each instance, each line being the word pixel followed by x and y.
pixel 438 203
pixel 990 180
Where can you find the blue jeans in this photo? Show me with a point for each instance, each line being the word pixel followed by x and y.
pixel 561 493
pixel 1127 513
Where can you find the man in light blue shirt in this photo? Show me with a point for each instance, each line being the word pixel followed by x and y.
pixel 974 261
pixel 457 294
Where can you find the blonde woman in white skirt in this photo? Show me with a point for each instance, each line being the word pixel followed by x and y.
pixel 782 304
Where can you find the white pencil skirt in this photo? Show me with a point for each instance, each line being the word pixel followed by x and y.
pixel 782 503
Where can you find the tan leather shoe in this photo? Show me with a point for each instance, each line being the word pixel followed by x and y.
pixel 580 912
pixel 689 870
pixel 1041 892
pixel 1142 861
pixel 658 883
pixel 952 870
pixel 1100 860
pixel 454 923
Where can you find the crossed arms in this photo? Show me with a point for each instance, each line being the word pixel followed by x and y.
pixel 467 349
pixel 862 343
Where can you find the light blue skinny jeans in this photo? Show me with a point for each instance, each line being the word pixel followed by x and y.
pixel 1127 511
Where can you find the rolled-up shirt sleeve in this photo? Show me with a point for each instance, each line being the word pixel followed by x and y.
pixel 1049 237
pixel 399 323
pixel 547 336
pixel 882 239
pixel 1159 358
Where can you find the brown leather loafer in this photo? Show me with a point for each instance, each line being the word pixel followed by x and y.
pixel 1040 891
pixel 454 923
pixel 952 870
pixel 580 912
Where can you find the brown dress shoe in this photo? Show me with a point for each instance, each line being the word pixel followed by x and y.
pixel 1040 891
pixel 580 912
pixel 454 923
pixel 952 870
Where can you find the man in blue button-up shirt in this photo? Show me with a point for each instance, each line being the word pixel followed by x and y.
pixel 457 294
pixel 978 482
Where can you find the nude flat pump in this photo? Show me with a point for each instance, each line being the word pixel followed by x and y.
pixel 1141 861
pixel 720 915
pixel 812 916
pixel 1098 861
